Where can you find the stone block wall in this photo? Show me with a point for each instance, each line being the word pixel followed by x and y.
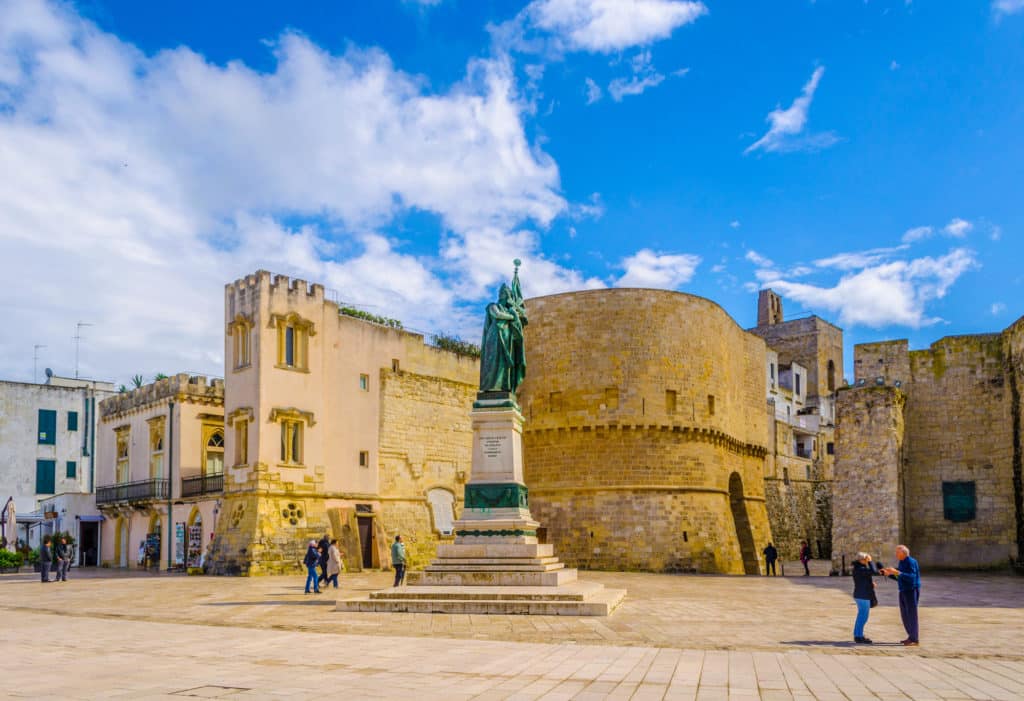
pixel 426 443
pixel 959 428
pixel 867 501
pixel 645 412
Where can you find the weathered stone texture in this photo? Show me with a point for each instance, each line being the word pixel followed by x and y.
pixel 960 428
pixel 867 501
pixel 645 410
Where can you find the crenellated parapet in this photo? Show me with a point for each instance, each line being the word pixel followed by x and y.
pixel 195 389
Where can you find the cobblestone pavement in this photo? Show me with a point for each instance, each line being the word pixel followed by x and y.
pixel 703 637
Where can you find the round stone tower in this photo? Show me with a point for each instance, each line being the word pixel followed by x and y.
pixel 646 431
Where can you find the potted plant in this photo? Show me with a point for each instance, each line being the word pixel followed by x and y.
pixel 9 562
pixel 33 559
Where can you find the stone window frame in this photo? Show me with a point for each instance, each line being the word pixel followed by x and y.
pixel 364 458
pixel 240 331
pixel 157 437
pixel 122 454
pixel 301 331
pixel 239 420
pixel 294 423
pixel 364 382
pixel 210 431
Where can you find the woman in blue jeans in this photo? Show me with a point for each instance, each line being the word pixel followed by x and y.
pixel 311 560
pixel 864 572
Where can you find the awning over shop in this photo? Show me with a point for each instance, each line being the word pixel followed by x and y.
pixel 91 518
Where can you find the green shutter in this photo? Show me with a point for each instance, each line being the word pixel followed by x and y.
pixel 45 474
pixel 72 420
pixel 47 427
pixel 959 502
pixel 72 468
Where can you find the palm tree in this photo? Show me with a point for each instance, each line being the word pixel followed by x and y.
pixel 137 381
pixel 159 376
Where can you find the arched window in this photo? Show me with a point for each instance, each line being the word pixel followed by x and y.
pixel 831 376
pixel 442 507
pixel 213 453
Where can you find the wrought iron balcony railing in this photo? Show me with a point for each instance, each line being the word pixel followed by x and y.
pixel 142 490
pixel 202 484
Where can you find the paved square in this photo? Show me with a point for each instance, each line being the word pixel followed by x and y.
pixel 691 637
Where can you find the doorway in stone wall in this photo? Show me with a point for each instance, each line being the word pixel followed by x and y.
pixel 366 540
pixel 742 521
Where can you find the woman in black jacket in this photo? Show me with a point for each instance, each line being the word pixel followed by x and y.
pixel 864 572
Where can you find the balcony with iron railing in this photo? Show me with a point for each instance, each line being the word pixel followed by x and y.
pixel 142 490
pixel 202 484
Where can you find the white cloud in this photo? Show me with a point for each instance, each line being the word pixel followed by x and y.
pixel 858 259
pixel 759 260
pixel 605 26
pixel 996 233
pixel 997 308
pixel 622 87
pixel 1007 7
pixel 146 182
pixel 958 228
pixel 889 293
pixel 647 268
pixel 917 234
pixel 735 223
pixel 893 66
pixel 786 126
pixel 594 92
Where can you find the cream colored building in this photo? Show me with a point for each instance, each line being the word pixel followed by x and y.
pixel 160 465
pixel 334 424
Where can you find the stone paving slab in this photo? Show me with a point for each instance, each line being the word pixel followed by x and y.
pixel 969 615
pixel 78 657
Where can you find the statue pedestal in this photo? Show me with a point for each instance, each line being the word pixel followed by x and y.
pixel 496 564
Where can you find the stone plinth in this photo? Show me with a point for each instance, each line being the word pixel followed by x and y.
pixel 496 564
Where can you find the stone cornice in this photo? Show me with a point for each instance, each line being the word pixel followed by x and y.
pixel 705 435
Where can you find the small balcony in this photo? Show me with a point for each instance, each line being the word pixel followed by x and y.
pixel 202 484
pixel 143 490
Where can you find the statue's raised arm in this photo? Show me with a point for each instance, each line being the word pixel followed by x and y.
pixel 502 354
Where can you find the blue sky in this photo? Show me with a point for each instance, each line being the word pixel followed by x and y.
pixel 864 159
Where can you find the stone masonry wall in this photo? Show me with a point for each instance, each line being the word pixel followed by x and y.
pixel 868 491
pixel 644 410
pixel 960 429
pixel 426 442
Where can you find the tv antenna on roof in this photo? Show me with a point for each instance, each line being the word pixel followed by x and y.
pixel 35 360
pixel 78 338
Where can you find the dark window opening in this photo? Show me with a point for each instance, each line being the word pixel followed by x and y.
pixel 959 502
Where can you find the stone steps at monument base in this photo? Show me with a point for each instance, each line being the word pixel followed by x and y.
pixel 487 567
pixel 488 550
pixel 600 603
pixel 491 561
pixel 491 578
pixel 576 591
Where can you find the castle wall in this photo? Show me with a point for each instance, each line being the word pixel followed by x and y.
pixel 868 497
pixel 889 360
pixel 426 443
pixel 959 429
pixel 1013 351
pixel 637 424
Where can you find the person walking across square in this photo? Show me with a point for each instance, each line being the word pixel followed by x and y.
pixel 63 553
pixel 333 564
pixel 805 557
pixel 311 560
pixel 398 559
pixel 770 556
pixel 45 558
pixel 907 574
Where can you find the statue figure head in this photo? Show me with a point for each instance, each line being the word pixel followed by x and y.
pixel 505 295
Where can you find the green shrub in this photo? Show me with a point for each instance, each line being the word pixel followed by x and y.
pixel 33 556
pixel 9 560
pixel 456 345
pixel 367 316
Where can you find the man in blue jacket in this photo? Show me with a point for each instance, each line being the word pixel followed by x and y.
pixel 908 574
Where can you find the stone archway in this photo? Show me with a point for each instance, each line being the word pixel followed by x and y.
pixel 742 523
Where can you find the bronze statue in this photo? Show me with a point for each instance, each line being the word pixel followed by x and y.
pixel 502 353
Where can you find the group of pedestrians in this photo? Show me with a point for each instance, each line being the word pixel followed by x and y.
pixel 327 556
pixel 907 574
pixel 771 557
pixel 61 552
